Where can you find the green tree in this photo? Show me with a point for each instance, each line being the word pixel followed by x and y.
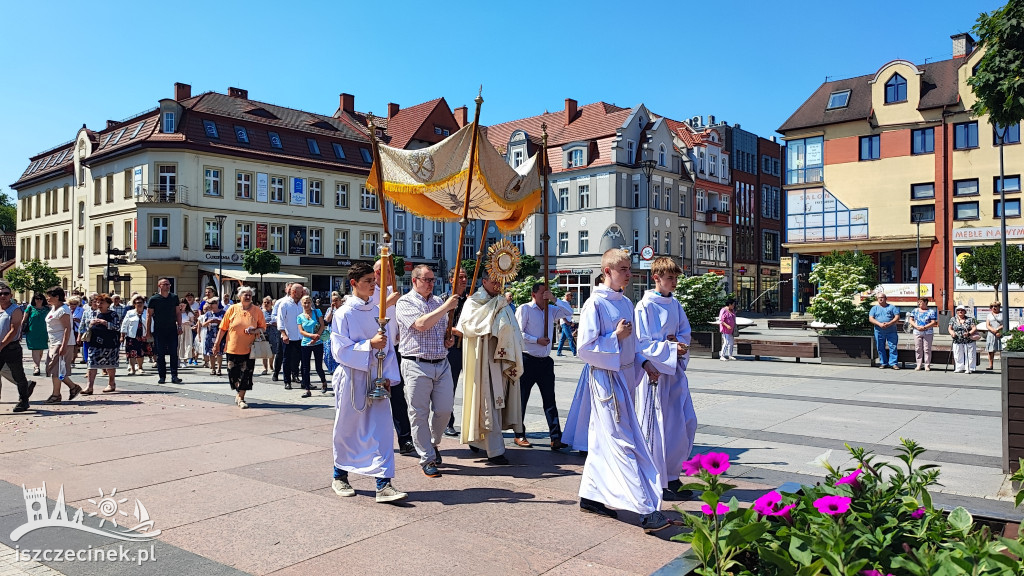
pixel 528 266
pixel 999 81
pixel 983 266
pixel 32 276
pixel 841 280
pixel 856 259
pixel 522 290
pixel 260 261
pixel 8 213
pixel 469 266
pixel 398 262
pixel 702 298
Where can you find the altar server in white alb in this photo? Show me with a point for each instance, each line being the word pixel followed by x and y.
pixel 619 471
pixel 363 432
pixel 664 406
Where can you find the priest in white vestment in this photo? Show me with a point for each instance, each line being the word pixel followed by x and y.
pixel 492 361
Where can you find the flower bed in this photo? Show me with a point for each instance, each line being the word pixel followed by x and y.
pixel 875 519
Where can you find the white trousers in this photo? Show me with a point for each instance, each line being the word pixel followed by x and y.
pixel 728 345
pixel 965 357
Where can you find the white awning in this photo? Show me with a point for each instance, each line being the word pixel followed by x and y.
pixel 236 273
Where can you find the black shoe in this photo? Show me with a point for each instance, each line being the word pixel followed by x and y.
pixel 31 389
pixel 307 394
pixel 437 454
pixel 274 378
pixel 160 381
pixel 451 431
pixel 407 448
pixel 176 380
pixel 673 496
pixel 592 507
pixel 287 386
pixel 21 406
pixel 430 470
pixel 583 453
pixel 498 460
pixel 474 449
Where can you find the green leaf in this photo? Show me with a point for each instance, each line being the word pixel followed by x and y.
pixel 695 486
pixel 926 499
pixel 800 549
pixel 812 569
pixel 1014 546
pixel 710 498
pixel 783 563
pixel 960 519
pixel 701 544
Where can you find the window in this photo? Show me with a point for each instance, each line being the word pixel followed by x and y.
pixel 838 100
pixel 368 244
pixel 65 244
pixel 417 224
pixel 965 187
pixel 243 236
pixel 211 185
pixel 965 211
pixel 110 192
pixel 275 140
pixel 400 221
pixel 869 147
pixel 341 243
pixel 923 141
pixel 314 147
pixel 575 158
pixel 631 151
pixel 656 241
pixel 636 194
pixel 584 192
pixel 725 166
pixel 517 158
pixel 965 135
pixel 668 197
pixel 315 241
pixel 81 214
pixel 339 152
pixel 129 235
pixel 168 123
pixel 1011 183
pixel 776 167
pixel 367 157
pixel 340 195
pixel 437 130
pixel 417 245
pixel 668 243
pixel 723 203
pixel 158 226
pixel 314 194
pixel 277 189
pixel 636 241
pixel 656 200
pixel 922 191
pixel 805 160
pixel 519 241
pixel 563 199
pixel 584 241
pixel 168 178
pixel 661 155
pixel 439 247
pixel 924 212
pixel 67 196
pixel 563 242
pixel 211 129
pixel 770 246
pixel 702 200
pixel 184 233
pixel 367 199
pixel 1012 135
pixel 243 186
pixel 896 89
pixel 701 168
pixel 682 202
pixel 713 164
pixel 211 235
pixel 276 238
pixel 711 247
pixel 1012 208
pixel 241 134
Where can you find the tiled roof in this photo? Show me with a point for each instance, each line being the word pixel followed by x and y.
pixel 939 87
pixel 8 239
pixel 240 109
pixel 403 126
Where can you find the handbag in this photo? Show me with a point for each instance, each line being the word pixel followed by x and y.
pixel 261 348
pixel 87 335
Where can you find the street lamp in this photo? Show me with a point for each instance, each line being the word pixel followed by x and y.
pixel 682 237
pixel 1001 133
pixel 917 220
pixel 220 245
pixel 647 167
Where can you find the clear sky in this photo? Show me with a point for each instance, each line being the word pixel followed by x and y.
pixel 753 63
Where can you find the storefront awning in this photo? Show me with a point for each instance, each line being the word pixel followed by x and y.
pixel 866 245
pixel 241 275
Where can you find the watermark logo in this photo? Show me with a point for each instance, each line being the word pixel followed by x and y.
pixel 108 511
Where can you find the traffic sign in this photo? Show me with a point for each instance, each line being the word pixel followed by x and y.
pixel 647 252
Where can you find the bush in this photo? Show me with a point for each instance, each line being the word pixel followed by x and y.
pixel 521 289
pixel 702 298
pixel 1014 341
pixel 840 280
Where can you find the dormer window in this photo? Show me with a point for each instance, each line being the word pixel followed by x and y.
pixel 661 155
pixel 339 153
pixel 367 157
pixel 575 158
pixel 838 100
pixel 896 89
pixel 168 122
pixel 211 129
pixel 517 158
pixel 314 147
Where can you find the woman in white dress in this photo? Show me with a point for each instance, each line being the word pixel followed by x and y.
pixel 186 343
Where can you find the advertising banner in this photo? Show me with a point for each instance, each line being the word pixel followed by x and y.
pixel 298 196
pixel 261 236
pixel 262 187
pixel 297 240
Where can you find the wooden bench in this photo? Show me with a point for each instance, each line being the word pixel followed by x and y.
pixel 942 354
pixel 796 324
pixel 758 348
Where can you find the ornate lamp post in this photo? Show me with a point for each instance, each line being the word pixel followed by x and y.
pixel 647 167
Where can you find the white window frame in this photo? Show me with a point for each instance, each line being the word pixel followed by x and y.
pixel 584 196
pixel 631 152
pixel 243 236
pixel 417 244
pixel 341 242
pixel 636 194
pixel 517 158
pixel 563 199
pixel 563 243
pixel 656 197
pixel 438 248
pixel 398 243
pixel 211 234
pixel 583 240
pixel 655 240
pixel 341 195
pixel 315 241
pixel 574 158
pixel 368 244
pixel 243 185
pixel 702 201
pixel 636 241
pixel 277 188
pixel 276 235
pixel 211 182
pixel 314 193
pixel 168 123
pixel 668 244
pixel 367 200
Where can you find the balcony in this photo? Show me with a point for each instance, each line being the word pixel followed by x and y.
pixel 716 218
pixel 162 194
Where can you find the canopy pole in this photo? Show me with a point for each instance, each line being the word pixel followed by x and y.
pixel 479 256
pixel 386 265
pixel 544 237
pixel 465 207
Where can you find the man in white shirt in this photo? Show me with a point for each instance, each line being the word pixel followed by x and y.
pixel 279 359
pixel 538 366
pixel 291 338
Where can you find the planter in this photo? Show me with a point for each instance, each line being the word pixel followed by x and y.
pixel 846 350
pixel 705 344
pixel 1012 364
pixel 682 565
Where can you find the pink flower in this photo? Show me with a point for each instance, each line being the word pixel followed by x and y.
pixel 692 466
pixel 832 505
pixel 715 462
pixel 719 509
pixel 873 573
pixel 917 514
pixel 851 479
pixel 766 504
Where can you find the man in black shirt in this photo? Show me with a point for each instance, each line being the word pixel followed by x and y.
pixel 165 326
pixel 455 352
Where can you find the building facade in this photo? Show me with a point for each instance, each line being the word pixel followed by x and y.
pixel 773 292
pixel 885 162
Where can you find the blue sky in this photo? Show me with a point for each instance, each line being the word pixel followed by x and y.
pixel 753 63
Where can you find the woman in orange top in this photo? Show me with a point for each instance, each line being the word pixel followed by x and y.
pixel 241 324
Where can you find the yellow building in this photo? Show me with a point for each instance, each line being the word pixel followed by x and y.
pixel 873 159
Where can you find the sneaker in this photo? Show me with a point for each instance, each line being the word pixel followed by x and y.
pixel 176 380
pixel 673 496
pixel 451 431
pixel 724 358
pixel 917 368
pixel 389 494
pixel 594 507
pixel 732 357
pixel 407 448
pixel 21 406
pixel 654 522
pixel 242 404
pixel 342 488
pixel 437 452
pixel 430 470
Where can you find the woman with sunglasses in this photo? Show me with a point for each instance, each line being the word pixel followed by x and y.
pixel 964 331
pixel 35 329
pixel 11 317
pixel 239 327
pixel 133 333
pixel 104 347
pixel 62 345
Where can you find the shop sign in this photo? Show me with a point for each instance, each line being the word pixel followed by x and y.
pixel 905 290
pixel 987 233
pixel 340 262
pixel 261 236
pixel 786 266
pixel 711 263
pixel 224 257
pixel 574 272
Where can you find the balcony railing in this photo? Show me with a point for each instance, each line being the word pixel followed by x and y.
pixel 717 218
pixel 162 194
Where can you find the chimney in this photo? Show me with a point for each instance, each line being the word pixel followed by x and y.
pixel 461 116
pixel 182 91
pixel 347 102
pixel 570 110
pixel 392 110
pixel 963 44
pixel 711 120
pixel 111 123
pixel 238 93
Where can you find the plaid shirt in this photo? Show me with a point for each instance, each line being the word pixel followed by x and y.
pixel 428 344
